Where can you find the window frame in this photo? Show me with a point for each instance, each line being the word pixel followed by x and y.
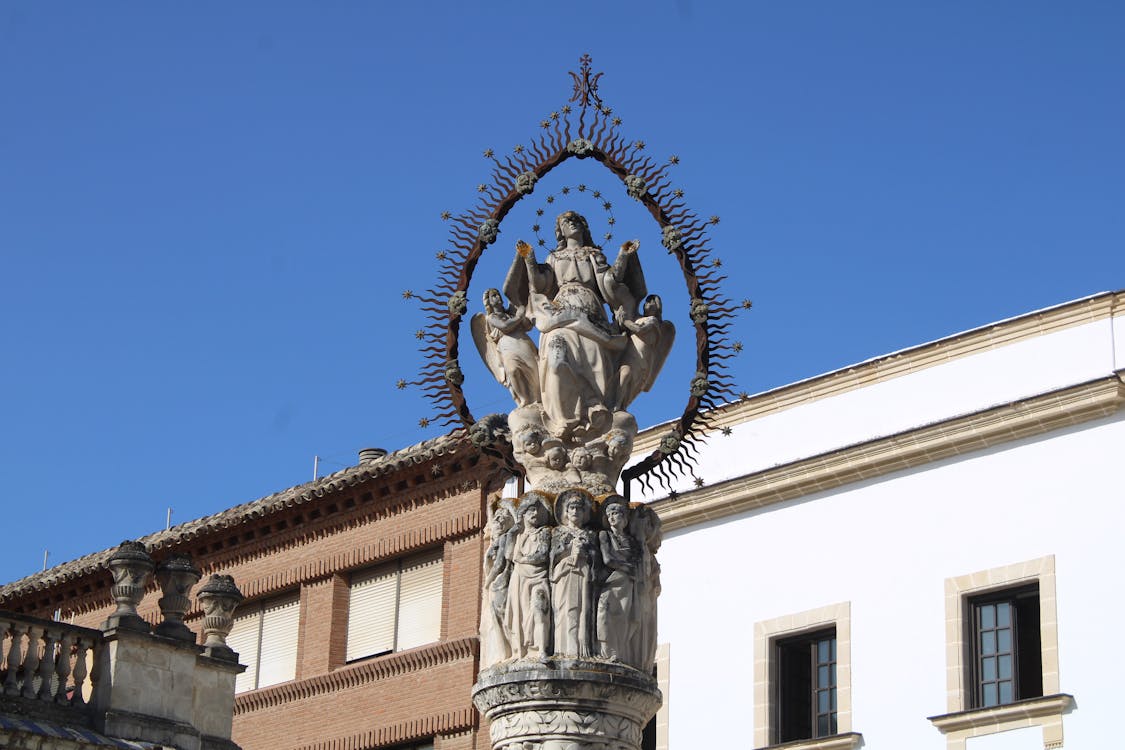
pixel 807 646
pixel 1021 662
pixel 767 634
pixel 962 719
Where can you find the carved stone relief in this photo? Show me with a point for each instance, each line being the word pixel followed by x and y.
pixel 577 581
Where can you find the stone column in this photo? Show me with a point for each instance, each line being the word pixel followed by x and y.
pixel 567 704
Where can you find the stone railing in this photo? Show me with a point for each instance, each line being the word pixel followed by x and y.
pixel 48 666
pixel 128 680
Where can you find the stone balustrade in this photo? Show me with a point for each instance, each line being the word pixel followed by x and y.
pixel 48 664
pixel 128 681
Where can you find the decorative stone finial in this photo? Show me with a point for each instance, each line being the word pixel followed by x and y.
pixel 131 568
pixel 219 597
pixel 176 575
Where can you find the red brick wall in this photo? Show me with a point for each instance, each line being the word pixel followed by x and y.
pixel 386 709
pixel 377 702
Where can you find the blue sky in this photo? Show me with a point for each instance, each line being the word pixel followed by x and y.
pixel 208 212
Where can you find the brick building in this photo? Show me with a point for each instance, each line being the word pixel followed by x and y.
pixel 362 601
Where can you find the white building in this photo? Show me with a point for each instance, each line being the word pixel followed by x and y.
pixel 944 519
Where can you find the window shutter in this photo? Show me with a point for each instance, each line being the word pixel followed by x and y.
pixel 278 660
pixel 371 612
pixel 243 639
pixel 419 606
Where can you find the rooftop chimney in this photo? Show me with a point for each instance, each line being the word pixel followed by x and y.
pixel 368 455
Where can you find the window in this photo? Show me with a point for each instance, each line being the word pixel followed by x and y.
pixel 802 680
pixel 1002 654
pixel 265 636
pixel 1007 663
pixel 395 607
pixel 806 686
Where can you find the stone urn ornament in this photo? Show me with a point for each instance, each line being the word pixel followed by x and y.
pixel 176 574
pixel 219 597
pixel 131 567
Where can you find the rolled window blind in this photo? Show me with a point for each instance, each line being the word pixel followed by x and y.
pixel 278 655
pixel 243 639
pixel 419 605
pixel 371 612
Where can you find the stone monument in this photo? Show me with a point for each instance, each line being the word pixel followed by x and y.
pixel 568 615
pixel 568 623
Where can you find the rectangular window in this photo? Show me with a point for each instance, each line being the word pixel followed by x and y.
pixel 265 637
pixel 395 607
pixel 1006 663
pixel 806 701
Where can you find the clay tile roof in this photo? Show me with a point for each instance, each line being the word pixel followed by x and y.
pixel 301 494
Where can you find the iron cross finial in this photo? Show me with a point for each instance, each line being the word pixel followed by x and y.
pixel 586 84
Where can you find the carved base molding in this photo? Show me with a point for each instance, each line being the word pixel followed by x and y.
pixel 566 704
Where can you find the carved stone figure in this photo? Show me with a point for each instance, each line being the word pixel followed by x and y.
pixel 646 529
pixel 650 340
pixel 527 615
pixel 617 623
pixel 494 644
pixel 574 566
pixel 511 356
pixel 579 347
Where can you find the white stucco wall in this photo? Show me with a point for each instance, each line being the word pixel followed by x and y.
pixel 1119 342
pixel 887 546
pixel 960 386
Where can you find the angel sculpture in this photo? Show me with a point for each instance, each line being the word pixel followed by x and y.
pixel 580 347
pixel 501 337
pixel 650 340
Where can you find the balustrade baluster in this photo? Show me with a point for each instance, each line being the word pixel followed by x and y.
pixel 76 698
pixel 15 653
pixel 62 666
pixel 47 664
pixel 5 626
pixel 31 660
pixel 96 670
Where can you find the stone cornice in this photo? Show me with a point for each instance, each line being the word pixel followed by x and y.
pixel 952 437
pixel 1087 310
pixel 360 673
pixel 1032 708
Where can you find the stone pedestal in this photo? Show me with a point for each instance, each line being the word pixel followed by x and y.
pixel 164 691
pixel 566 704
